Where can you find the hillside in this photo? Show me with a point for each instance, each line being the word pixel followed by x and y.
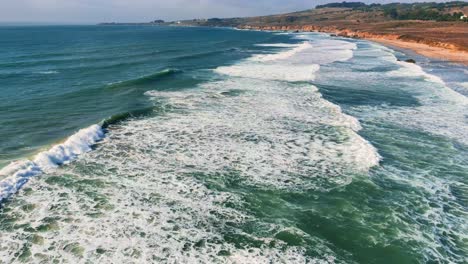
pixel 433 24
pixel 350 12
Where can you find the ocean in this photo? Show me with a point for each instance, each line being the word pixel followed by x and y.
pixel 146 144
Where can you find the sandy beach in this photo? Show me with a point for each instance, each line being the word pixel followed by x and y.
pixel 456 56
pixel 448 50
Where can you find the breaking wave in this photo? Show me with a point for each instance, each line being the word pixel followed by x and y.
pixel 156 191
pixel 283 55
pixel 148 79
pixel 291 73
pixel 18 173
pixel 442 110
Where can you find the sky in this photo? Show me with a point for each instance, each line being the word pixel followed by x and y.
pixel 94 11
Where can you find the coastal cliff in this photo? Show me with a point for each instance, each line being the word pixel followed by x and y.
pixel 437 30
pixel 426 46
pixel 359 34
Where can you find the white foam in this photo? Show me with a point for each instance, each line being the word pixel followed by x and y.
pixel 298 63
pixel 284 72
pixel 435 118
pixel 18 173
pixel 463 84
pixel 437 111
pixel 326 50
pixel 313 51
pixel 414 70
pixel 285 54
pixel 138 197
pixel 135 199
pixel 75 145
pixel 48 72
pixel 278 45
pixel 461 87
pixel 443 110
pixel 143 195
pixel 273 126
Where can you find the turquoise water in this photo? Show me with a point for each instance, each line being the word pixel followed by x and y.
pixel 76 76
pixel 199 145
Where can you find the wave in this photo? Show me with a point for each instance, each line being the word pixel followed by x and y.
pixel 283 55
pixel 301 64
pixel 460 87
pixel 440 110
pixel 84 57
pixel 18 173
pixel 297 64
pixel 115 119
pixel 311 51
pixel 291 73
pixel 203 54
pixel 326 51
pixel 277 45
pixel 145 79
pixel 413 70
pixel 48 72
pixel 269 128
pixel 270 134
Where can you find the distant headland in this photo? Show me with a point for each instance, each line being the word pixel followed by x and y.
pixel 438 30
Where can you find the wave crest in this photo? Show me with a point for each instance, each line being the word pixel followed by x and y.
pixel 148 79
pixel 18 173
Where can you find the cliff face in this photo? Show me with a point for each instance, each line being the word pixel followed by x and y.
pixel 353 33
pixel 372 23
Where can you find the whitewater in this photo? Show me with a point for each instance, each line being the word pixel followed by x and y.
pixel 312 149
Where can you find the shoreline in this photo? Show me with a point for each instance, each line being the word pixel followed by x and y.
pixel 426 50
pixel 437 50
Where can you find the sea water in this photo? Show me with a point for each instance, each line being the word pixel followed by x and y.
pixel 141 144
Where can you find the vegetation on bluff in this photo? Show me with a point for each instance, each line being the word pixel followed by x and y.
pixel 450 11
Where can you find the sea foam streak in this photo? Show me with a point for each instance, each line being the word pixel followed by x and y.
pixel 277 45
pixel 171 172
pixel 297 64
pixel 422 135
pixel 413 70
pixel 291 73
pixel 48 72
pixel 440 110
pixel 283 55
pixel 18 173
pixel 275 66
pixel 443 110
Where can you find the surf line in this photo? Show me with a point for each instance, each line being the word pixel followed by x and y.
pixel 18 173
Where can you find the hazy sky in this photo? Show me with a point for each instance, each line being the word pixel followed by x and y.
pixel 92 11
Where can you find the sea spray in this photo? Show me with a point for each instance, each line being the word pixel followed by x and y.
pixel 18 173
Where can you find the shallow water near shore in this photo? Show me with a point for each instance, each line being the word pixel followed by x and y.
pixel 199 145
